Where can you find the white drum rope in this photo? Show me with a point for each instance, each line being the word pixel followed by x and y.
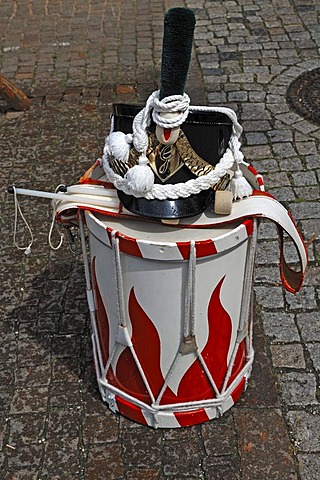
pixel 209 376
pixel 189 320
pixel 121 308
pixel 118 279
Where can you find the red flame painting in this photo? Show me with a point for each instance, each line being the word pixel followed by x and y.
pixel 101 316
pixel 102 323
pixel 194 385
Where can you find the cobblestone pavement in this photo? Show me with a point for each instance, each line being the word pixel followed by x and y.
pixel 74 58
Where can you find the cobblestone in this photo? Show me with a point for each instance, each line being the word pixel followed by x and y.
pixel 309 465
pixel 288 356
pixel 269 297
pixel 74 59
pixel 314 352
pixel 309 325
pixel 305 430
pixel 298 388
pixel 253 443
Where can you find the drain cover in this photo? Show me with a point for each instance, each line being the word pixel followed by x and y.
pixel 303 95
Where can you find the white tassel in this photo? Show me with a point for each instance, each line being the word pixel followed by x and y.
pixel 119 145
pixel 140 178
pixel 239 185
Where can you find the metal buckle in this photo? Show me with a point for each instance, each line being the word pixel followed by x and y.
pixel 74 241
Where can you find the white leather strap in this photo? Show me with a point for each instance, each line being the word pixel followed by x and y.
pixel 258 205
pixel 263 205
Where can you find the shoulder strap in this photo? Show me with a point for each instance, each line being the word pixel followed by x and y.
pixel 258 205
pixel 263 205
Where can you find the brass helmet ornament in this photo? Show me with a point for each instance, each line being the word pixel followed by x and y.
pixel 163 158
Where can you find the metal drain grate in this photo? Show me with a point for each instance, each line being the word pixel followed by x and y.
pixel 303 95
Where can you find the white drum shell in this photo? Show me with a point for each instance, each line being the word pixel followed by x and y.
pixel 151 263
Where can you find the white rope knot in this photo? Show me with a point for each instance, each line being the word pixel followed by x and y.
pixel 236 146
pixel 118 145
pixel 140 178
pixel 128 138
pixel 177 105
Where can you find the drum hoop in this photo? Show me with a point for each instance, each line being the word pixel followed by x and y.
pixel 204 248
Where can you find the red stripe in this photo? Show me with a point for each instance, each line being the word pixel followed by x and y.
pixel 249 226
pixel 260 181
pixel 258 193
pixel 129 245
pixel 257 175
pixel 104 212
pixel 184 248
pixel 203 249
pixel 109 232
pixel 206 248
pixel 186 419
pixel 253 170
pixel 90 181
pixel 130 410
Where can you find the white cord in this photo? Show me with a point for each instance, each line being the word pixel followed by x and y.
pixel 177 104
pixel 172 191
pixel 53 224
pixel 17 208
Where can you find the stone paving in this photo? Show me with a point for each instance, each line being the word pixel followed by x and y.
pixel 74 58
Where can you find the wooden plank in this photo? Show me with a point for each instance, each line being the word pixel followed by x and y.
pixel 15 97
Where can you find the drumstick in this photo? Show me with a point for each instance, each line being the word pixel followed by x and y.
pixel 108 201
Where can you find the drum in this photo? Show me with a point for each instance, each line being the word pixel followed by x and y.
pixel 171 316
